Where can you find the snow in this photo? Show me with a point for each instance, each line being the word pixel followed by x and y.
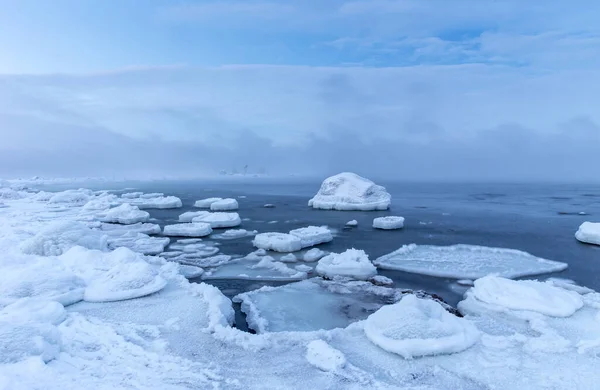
pixel 417 327
pixel 380 280
pixel 125 214
pixel 348 191
pixel 353 222
pixel 155 202
pixel 289 258
pixel 118 230
pixel 352 263
pixel 226 204
pixel 80 196
pixel 232 234
pixel 196 229
pixel 188 216
pixel 589 232
pixel 278 242
pixel 466 261
pixel 132 195
pixel 388 223
pixel 190 271
pixel 324 357
pixel 140 243
pixel 313 254
pixel 59 237
pixel 219 220
pixel 205 203
pixel 312 235
pixel 264 269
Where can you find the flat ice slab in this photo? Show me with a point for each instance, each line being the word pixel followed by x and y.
pixel 232 234
pixel 226 204
pixel 312 235
pixel 313 304
pixel 589 232
pixel 388 223
pixel 112 229
pixel 156 202
pixel 219 220
pixel 125 214
pixel 278 242
pixel 198 229
pixel 264 269
pixel 419 327
pixel 313 254
pixel 205 203
pixel 352 263
pixel 348 191
pixel 466 261
pixel 188 216
pixel 140 243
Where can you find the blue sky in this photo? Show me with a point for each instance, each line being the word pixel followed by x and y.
pixel 460 89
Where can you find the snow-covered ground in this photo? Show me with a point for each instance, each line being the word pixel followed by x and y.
pixel 68 319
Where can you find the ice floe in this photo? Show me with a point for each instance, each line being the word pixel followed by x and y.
pixel 59 237
pixel 156 201
pixel 264 269
pixel 219 220
pixel 324 357
pixel 352 223
pixel 227 204
pixel 190 271
pixel 125 214
pixel 188 216
pixel 195 229
pixel 205 203
pixel 117 230
pixel 140 243
pixel 466 261
pixel 278 242
pixel 348 191
pixel 77 197
pixel 312 235
pixel 232 234
pixel 313 254
pixel 589 232
pixel 388 223
pixel 352 263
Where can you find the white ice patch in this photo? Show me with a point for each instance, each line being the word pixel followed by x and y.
pixel 140 243
pixel 589 232
pixel 36 310
pixel 348 191
pixel 205 203
pixel 313 254
pixel 20 341
pixel 312 235
pixel 388 223
pixel 219 220
pixel 352 223
pixel 417 327
pixel 188 230
pixel 352 263
pixel 226 204
pixel 265 269
pixel 466 261
pixel 125 214
pixel 232 234
pixel 115 230
pixel 158 202
pixel 289 258
pixel 188 216
pixel 324 357
pixel 190 271
pixel 278 242
pixel 132 195
pixel 58 237
pixel 75 197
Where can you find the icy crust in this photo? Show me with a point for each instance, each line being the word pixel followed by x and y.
pixel 75 197
pixel 388 223
pixel 205 203
pixel 466 261
pixel 188 216
pixel 154 201
pixel 589 232
pixel 417 327
pixel 58 237
pixel 278 242
pixel 348 191
pixel 352 263
pixel 196 229
pixel 125 214
pixel 219 220
pixel 313 254
pixel 140 243
pixel 114 230
pixel 226 204
pixel 324 356
pixel 312 235
pixel 232 234
pixel 250 268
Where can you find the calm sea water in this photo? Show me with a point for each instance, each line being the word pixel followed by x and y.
pixel 537 218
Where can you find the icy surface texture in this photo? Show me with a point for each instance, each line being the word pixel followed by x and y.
pixel 198 229
pixel 59 237
pixel 589 232
pixel 278 242
pixel 219 220
pixel 226 204
pixel 348 191
pixel 125 214
pixel 388 223
pixel 324 357
pixel 205 203
pixel 352 263
pixel 312 235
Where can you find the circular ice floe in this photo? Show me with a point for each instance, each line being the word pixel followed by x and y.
pixel 419 327
pixel 196 229
pixel 278 242
pixel 526 295
pixel 352 263
pixel 324 357
pixel 348 191
pixel 313 254
pixel 205 203
pixel 219 220
pixel 589 232
pixel 232 234
pixel 312 235
pixel 155 201
pixel 188 216
pixel 226 204
pixel 125 214
pixel 388 223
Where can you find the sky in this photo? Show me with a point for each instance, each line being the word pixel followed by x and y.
pixel 398 89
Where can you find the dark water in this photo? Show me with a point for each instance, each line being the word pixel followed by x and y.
pixel 537 218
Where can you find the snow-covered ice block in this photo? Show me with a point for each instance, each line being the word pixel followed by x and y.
pixel 313 304
pixel 226 204
pixel 313 254
pixel 101 203
pixel 312 235
pixel 151 195
pixel 118 230
pixel 125 214
pixel 132 195
pixel 589 232
pixel 568 284
pixel 353 222
pixel 303 268
pixel 204 262
pixel 324 356
pixel 219 220
pixel 28 310
pixel 78 197
pixel 289 258
pixel 352 263
pixel 278 242
pixel 22 341
pixel 348 191
pixel 419 327
pixel 58 237
pixel 466 261
pixel 197 250
pixel 526 295
pixel 140 243
pixel 188 216
pixel 265 269
pixel 198 229
pixel 388 223
pixel 205 203
pixel 159 202
pixel 234 234
pixel 380 280
pixel 190 271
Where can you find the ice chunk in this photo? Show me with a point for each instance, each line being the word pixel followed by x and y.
pixel 313 254
pixel 190 215
pixel 190 271
pixel 189 241
pixel 206 262
pixel 20 341
pixel 27 310
pixel 568 284
pixel 348 191
pixel 388 223
pixel 152 195
pixel 140 243
pixel 419 327
pixel 234 234
pixel 352 263
pixel 353 222
pixel 380 280
pixel 220 220
pixel 589 232
pixel 324 357
pixel 205 203
pixel 10 194
pixel 125 214
pixel 114 230
pixel 265 269
pixel 58 237
pixel 195 250
pixel 132 195
pixel 101 203
pixel 269 206
pixel 312 235
pixel 527 295
pixel 278 242
pixel 159 202
pixel 79 197
pixel 303 268
pixel 466 261
pixel 289 258
pixel 226 204
pixel 198 229
pixel 313 304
